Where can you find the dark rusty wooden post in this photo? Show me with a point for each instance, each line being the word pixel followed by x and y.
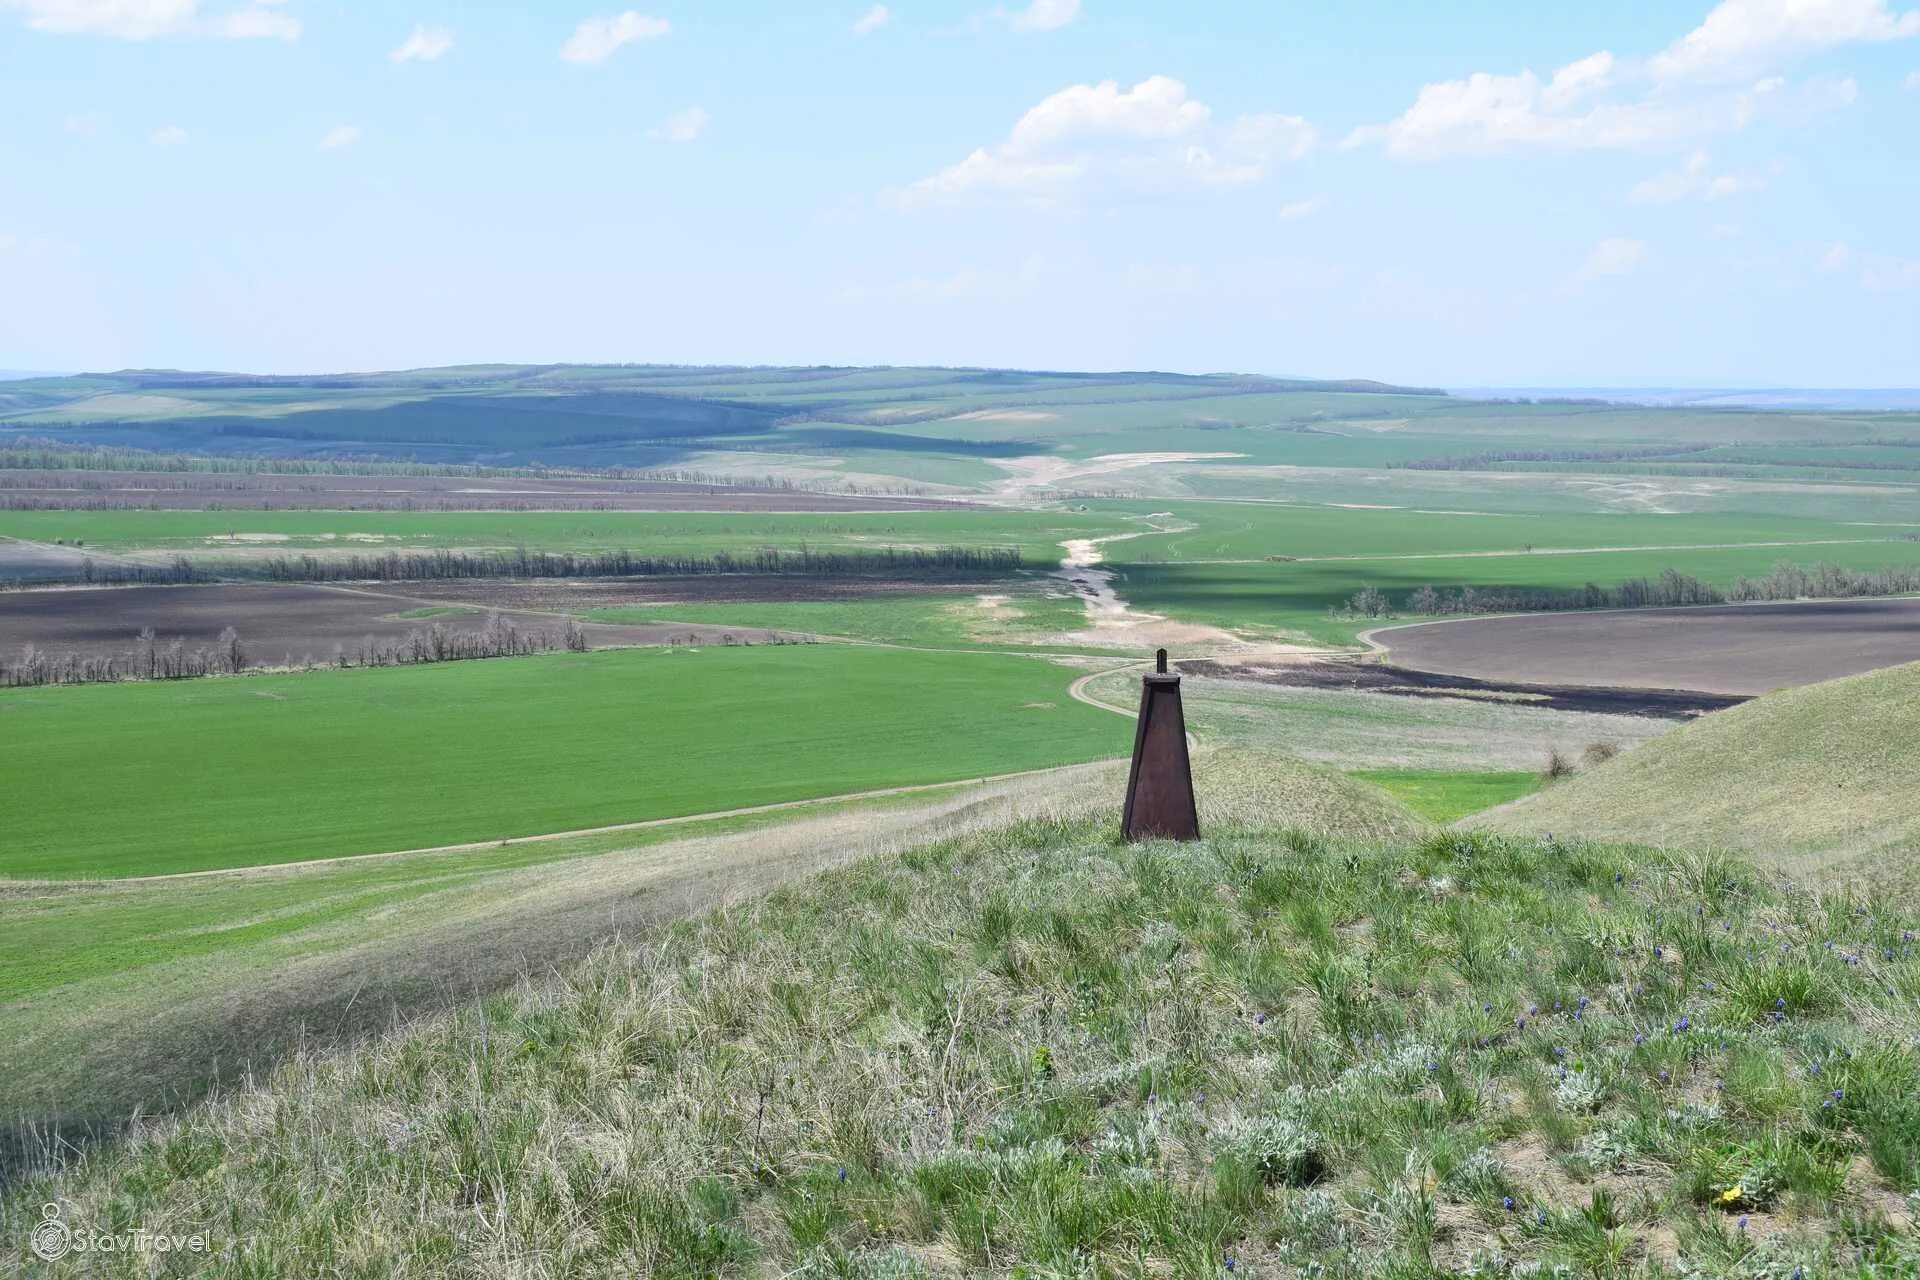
pixel 1160 786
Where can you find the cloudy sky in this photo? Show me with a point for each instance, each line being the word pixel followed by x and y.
pixel 1506 192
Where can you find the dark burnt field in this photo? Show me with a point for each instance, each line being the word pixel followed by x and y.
pixel 1379 677
pixel 35 490
pixel 280 624
pixel 1737 650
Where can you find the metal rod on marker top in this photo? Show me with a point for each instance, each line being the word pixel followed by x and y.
pixel 1160 803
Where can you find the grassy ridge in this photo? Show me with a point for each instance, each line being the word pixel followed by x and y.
pixel 151 778
pixel 124 996
pixel 1037 1052
pixel 1820 777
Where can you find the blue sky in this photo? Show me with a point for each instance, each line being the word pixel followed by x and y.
pixel 1500 193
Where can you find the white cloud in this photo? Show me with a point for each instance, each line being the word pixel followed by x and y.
pixel 263 20
pixel 340 137
pixel 1045 15
pixel 1694 180
pixel 1294 210
pixel 1891 275
pixel 169 135
pixel 1879 273
pixel 1743 38
pixel 1614 256
pixel 872 20
pixel 596 39
pixel 1488 114
pixel 154 19
pixel 685 125
pixel 86 124
pixel 1913 82
pixel 122 19
pixel 426 44
pixel 1711 81
pixel 1153 134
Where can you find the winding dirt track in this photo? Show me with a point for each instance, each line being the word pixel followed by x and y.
pixel 477 846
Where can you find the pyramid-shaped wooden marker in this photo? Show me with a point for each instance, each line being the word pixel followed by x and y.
pixel 1160 787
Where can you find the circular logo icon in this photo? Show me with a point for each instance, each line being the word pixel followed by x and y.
pixel 52 1238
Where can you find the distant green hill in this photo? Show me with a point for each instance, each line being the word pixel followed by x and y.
pixel 632 415
pixel 1822 778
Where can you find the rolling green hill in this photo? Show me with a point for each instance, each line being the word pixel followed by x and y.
pixel 185 980
pixel 936 426
pixel 1816 779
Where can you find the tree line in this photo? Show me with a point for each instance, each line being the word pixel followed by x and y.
pixel 36 454
pixel 1671 589
pixel 154 659
pixel 433 566
pixel 1493 459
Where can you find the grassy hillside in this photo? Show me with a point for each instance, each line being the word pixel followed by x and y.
pixel 125 995
pixel 149 778
pixel 1033 1051
pixel 1820 778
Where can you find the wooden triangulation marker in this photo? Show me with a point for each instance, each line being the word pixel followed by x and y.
pixel 1160 787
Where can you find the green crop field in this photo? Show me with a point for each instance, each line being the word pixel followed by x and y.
pixel 1293 599
pixel 1037 533
pixel 143 779
pixel 1258 531
pixel 1442 796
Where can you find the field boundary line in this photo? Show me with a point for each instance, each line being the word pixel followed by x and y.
pixel 475 846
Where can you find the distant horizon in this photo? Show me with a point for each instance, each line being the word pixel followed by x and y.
pixel 1650 392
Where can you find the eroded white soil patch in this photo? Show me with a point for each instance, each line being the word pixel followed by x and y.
pixel 1043 471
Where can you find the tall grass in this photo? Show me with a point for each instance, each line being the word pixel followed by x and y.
pixel 1034 1051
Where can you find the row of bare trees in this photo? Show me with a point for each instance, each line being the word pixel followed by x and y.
pixel 37 454
pixel 910 563
pixel 153 659
pixel 907 562
pixel 150 659
pixel 1670 589
pixel 433 566
pixel 1825 582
